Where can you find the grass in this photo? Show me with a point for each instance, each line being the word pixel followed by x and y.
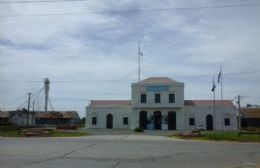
pixel 228 136
pixel 9 133
pixel 15 133
pixel 67 134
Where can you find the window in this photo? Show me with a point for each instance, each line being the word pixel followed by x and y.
pixel 143 98
pixel 157 98
pixel 227 121
pixel 171 98
pixel 192 121
pixel 125 120
pixel 94 120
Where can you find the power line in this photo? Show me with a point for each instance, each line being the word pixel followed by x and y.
pixel 136 10
pixel 40 1
pixel 23 81
pixel 251 97
pixel 129 80
pixel 226 74
pixel 45 1
pixel 33 95
pixel 52 108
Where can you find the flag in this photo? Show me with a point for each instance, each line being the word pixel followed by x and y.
pixel 139 49
pixel 213 86
pixel 219 74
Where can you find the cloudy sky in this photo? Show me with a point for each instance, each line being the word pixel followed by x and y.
pixel 88 48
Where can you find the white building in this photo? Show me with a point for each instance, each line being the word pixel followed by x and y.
pixel 158 103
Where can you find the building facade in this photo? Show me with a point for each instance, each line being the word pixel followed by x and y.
pixel 57 118
pixel 22 117
pixel 250 117
pixel 158 103
pixel 52 118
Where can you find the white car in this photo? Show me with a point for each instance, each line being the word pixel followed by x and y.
pixel 200 127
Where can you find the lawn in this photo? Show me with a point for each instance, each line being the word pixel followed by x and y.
pixel 9 133
pixel 67 134
pixel 228 136
pixel 55 133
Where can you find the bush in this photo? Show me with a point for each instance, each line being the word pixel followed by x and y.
pixel 138 129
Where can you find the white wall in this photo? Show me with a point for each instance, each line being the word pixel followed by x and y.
pixel 102 112
pixel 176 88
pixel 200 114
pixel 20 118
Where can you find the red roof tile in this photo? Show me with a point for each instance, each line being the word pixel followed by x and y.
pixel 207 103
pixel 57 114
pixel 110 103
pixel 158 80
pixel 250 112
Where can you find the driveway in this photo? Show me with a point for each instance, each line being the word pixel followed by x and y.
pixel 123 151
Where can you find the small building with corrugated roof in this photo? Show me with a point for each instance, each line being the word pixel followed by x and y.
pixel 250 117
pixel 57 118
pixel 157 103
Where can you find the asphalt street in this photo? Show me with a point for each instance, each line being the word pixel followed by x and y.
pixel 125 151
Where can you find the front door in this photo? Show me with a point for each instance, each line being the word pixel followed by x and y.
pixel 171 120
pixel 109 121
pixel 143 119
pixel 157 120
pixel 209 122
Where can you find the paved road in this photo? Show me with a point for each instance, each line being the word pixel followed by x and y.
pixel 129 132
pixel 125 151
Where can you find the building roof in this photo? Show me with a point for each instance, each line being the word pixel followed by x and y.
pixel 4 114
pixel 209 103
pixel 57 114
pixel 158 80
pixel 95 103
pixel 70 114
pixel 250 112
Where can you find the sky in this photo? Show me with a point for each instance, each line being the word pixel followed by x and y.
pixel 88 49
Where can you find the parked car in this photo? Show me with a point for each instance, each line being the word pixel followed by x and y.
pixel 200 127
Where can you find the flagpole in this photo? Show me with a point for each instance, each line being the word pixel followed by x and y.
pixel 221 105
pixel 139 74
pixel 214 106
pixel 214 103
pixel 139 62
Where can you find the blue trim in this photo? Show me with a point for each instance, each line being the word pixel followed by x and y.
pixel 157 88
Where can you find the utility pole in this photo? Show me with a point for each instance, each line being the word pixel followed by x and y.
pixel 33 118
pixel 239 118
pixel 46 87
pixel 28 110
